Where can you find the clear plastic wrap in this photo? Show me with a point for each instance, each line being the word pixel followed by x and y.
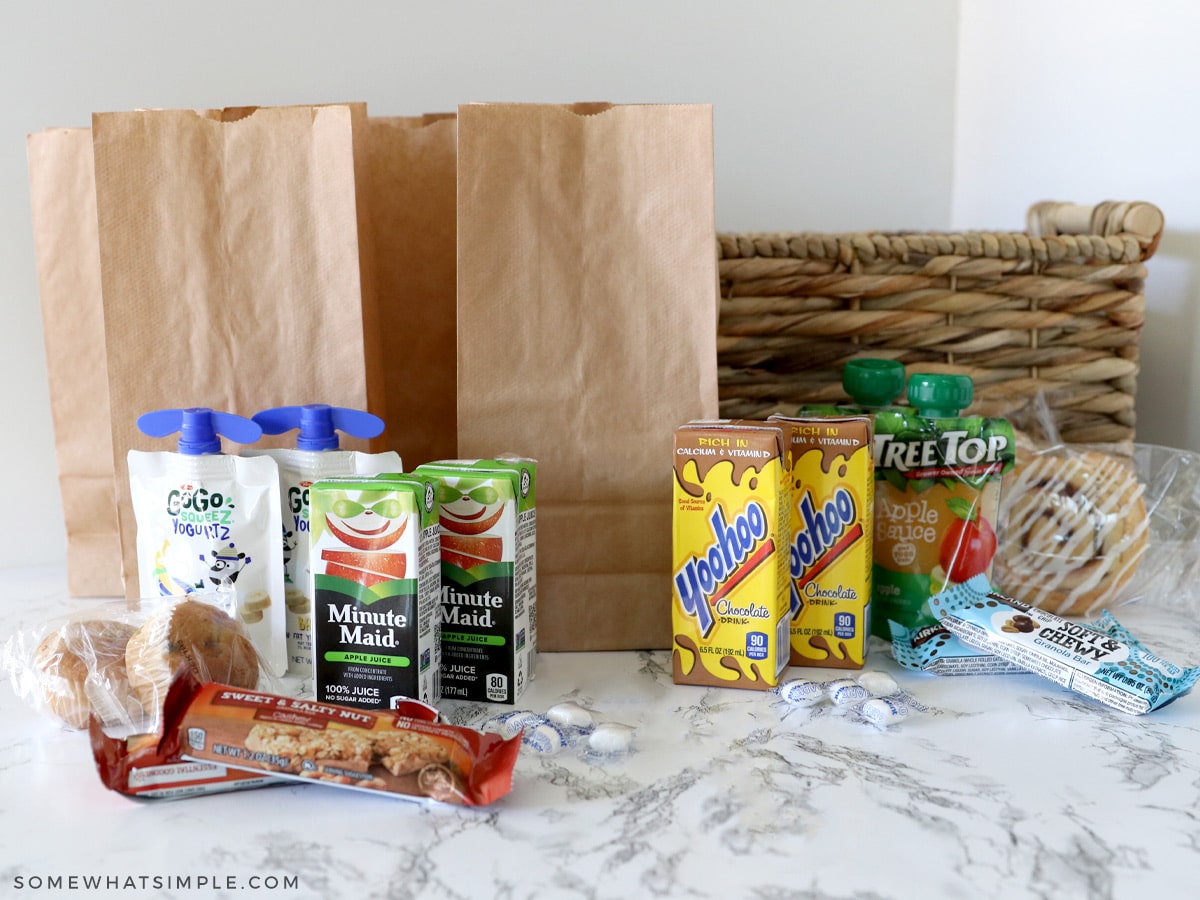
pixel 1169 574
pixel 1087 528
pixel 116 660
pixel 74 665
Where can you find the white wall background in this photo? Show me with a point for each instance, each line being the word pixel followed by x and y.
pixel 828 116
pixel 1090 101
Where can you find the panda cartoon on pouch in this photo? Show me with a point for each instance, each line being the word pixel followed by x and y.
pixel 224 564
pixel 289 544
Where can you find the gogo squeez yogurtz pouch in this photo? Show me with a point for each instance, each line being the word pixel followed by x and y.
pixel 316 456
pixel 207 521
pixel 937 494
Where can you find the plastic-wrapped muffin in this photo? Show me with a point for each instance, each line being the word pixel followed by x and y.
pixel 81 669
pixel 194 633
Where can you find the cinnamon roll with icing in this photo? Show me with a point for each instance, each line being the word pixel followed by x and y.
pixel 1075 529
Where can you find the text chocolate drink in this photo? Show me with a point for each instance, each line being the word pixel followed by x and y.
pixel 730 612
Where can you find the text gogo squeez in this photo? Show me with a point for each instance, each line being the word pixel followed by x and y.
pixel 207 521
pixel 488 521
pixel 937 494
pixel 317 455
pixel 730 607
pixel 375 553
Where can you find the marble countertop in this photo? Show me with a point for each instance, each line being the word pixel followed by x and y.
pixel 1008 786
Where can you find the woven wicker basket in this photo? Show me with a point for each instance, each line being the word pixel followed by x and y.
pixel 1057 309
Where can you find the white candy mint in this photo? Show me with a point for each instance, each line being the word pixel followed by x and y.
pixel 802 692
pixel 879 684
pixel 544 738
pixel 572 714
pixel 611 738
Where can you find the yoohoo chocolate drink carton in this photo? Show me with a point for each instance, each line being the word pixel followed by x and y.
pixel 488 524
pixel 730 611
pixel 374 558
pixel 829 552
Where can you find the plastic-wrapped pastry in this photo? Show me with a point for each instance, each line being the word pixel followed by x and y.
pixel 192 632
pixel 1074 530
pixel 81 667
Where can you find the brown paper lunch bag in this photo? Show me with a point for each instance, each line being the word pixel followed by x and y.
pixel 62 184
pixel 409 170
pixel 237 269
pixel 587 309
pixel 412 178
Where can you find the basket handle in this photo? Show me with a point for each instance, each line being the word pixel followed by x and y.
pixel 1144 221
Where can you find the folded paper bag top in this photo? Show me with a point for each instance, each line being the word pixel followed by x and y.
pixel 405 167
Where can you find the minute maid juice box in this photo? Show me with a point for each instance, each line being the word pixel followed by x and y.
pixel 730 611
pixel 488 524
pixel 374 556
pixel 832 523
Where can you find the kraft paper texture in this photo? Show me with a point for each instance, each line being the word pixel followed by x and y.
pixel 230 249
pixel 249 265
pixel 412 171
pixel 587 305
pixel 62 183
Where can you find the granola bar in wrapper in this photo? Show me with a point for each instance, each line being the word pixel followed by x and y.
pixel 149 765
pixel 1101 660
pixel 139 766
pixel 379 750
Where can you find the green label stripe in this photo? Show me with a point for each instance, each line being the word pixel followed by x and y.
pixel 404 587
pixel 463 637
pixel 368 659
pixel 466 577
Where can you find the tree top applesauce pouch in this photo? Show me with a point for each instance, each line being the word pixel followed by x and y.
pixel 937 494
pixel 730 609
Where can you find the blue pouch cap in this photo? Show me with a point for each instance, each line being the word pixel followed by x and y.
pixel 199 428
pixel 319 424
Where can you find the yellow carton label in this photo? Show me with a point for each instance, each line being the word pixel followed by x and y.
pixel 832 514
pixel 730 593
